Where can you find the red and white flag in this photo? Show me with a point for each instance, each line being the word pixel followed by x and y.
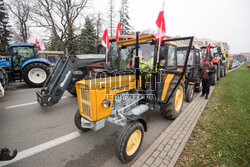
pixel 160 22
pixel 41 44
pixel 105 39
pixel 207 49
pixel 118 31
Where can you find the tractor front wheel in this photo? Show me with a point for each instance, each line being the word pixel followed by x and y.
pixel 78 122
pixel 190 93
pixel 129 141
pixel 35 74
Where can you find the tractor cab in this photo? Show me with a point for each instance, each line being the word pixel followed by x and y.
pixel 194 70
pixel 22 52
pixel 113 52
pixel 142 78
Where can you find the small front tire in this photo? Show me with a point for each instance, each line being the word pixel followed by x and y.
pixel 190 93
pixel 129 141
pixel 78 122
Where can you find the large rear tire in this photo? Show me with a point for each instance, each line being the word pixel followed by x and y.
pixel 78 122
pixel 174 107
pixel 129 141
pixel 35 74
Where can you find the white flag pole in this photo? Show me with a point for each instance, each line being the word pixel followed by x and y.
pixel 159 46
pixel 106 49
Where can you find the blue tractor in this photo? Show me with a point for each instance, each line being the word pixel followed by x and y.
pixel 24 64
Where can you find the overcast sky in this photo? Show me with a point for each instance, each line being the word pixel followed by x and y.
pixel 221 20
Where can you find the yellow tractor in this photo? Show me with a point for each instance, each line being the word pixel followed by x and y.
pixel 122 94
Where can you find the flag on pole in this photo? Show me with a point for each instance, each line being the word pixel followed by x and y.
pixel 118 31
pixel 41 44
pixel 105 39
pixel 160 23
pixel 207 49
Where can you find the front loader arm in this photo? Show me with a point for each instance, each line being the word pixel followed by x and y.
pixel 60 78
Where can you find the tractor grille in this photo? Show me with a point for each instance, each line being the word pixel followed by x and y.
pixel 85 102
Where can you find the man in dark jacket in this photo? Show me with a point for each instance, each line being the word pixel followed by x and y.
pixel 206 77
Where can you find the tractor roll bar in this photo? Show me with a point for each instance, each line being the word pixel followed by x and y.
pixel 186 61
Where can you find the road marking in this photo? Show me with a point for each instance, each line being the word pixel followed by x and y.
pixel 42 147
pixel 26 104
pixel 25 90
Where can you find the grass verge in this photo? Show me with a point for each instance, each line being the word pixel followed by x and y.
pixel 221 136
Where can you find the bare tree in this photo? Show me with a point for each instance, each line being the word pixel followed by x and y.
pixel 98 23
pixel 59 16
pixel 21 10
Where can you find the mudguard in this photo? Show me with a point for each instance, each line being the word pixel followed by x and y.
pixel 140 119
pixel 36 60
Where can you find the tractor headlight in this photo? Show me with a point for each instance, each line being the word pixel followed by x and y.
pixel 106 103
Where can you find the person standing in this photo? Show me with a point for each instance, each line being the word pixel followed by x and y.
pixel 206 77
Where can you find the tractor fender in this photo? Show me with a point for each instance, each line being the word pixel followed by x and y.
pixel 139 119
pixel 36 60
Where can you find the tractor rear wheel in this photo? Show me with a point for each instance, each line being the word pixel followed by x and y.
pixel 129 141
pixel 174 107
pixel 78 122
pixel 190 93
pixel 35 74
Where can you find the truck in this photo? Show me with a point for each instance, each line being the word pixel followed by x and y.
pixel 24 64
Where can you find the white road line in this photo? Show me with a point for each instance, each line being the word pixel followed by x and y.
pixel 24 90
pixel 42 147
pixel 26 104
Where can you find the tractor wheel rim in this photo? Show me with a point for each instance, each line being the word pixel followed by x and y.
pixel 133 142
pixel 178 98
pixel 37 75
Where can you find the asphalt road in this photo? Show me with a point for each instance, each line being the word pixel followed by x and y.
pixel 25 125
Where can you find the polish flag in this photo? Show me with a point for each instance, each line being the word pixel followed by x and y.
pixel 207 49
pixel 105 39
pixel 118 31
pixel 160 23
pixel 41 44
